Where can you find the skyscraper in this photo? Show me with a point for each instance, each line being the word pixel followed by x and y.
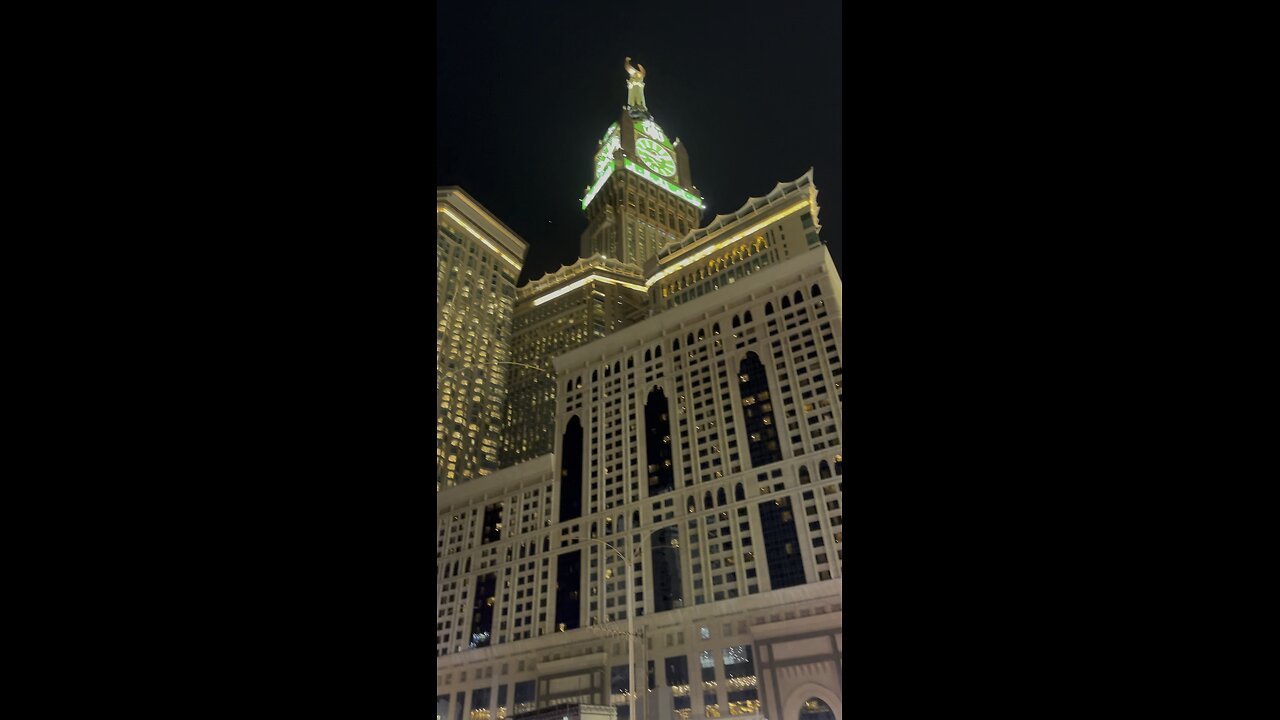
pixel 687 473
pixel 478 260
pixel 560 311
pixel 642 195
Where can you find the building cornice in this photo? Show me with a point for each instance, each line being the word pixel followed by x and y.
pixel 584 270
pixel 725 223
pixel 656 327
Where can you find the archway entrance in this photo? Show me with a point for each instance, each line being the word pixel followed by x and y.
pixel 815 709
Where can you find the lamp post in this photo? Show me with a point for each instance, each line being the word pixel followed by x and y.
pixel 631 625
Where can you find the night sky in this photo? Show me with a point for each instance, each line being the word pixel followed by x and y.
pixel 525 90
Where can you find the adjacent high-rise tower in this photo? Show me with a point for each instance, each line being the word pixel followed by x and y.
pixel 478 260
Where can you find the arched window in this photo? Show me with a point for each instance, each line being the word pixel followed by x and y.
pixel 757 410
pixel 689 339
pixel 617 367
pixel 839 464
pixel 546 544
pixel 606 370
pixel 693 507
pixel 571 470
pixel 675 345
pixel 746 317
pixel 786 302
pixel 799 298
pixel 715 329
pixel 804 475
pixel 631 362
pixel 621 525
pixel 824 470
pixel 467 568
pixel 720 497
pixel 657 352
pixel 635 519
pixel 768 308
pixel 593 529
pixel 657 433
pixel 595 375
pixel 815 709
pixel 706 501
pixel 739 493
pixel 648 355
pixel 815 290
pixel 736 321
pixel 569 386
pixel 702 333
pixel 455 567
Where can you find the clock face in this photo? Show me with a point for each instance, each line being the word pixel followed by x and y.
pixel 655 156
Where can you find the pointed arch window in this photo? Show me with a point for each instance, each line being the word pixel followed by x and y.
pixel 786 302
pixel 739 493
pixel 657 423
pixel 757 410
pixel 571 470
pixel 815 291
pixel 824 470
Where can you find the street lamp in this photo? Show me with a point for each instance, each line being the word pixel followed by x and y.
pixel 631 623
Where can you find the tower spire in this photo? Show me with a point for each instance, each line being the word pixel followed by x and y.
pixel 635 89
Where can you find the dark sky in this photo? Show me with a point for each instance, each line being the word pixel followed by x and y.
pixel 525 90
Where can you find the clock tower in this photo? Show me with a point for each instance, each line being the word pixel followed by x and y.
pixel 641 196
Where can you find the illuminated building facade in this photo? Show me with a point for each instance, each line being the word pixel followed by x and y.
pixel 706 436
pixel 560 311
pixel 763 232
pixel 682 408
pixel 642 196
pixel 478 260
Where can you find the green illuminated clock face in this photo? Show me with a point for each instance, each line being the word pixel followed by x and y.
pixel 655 156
